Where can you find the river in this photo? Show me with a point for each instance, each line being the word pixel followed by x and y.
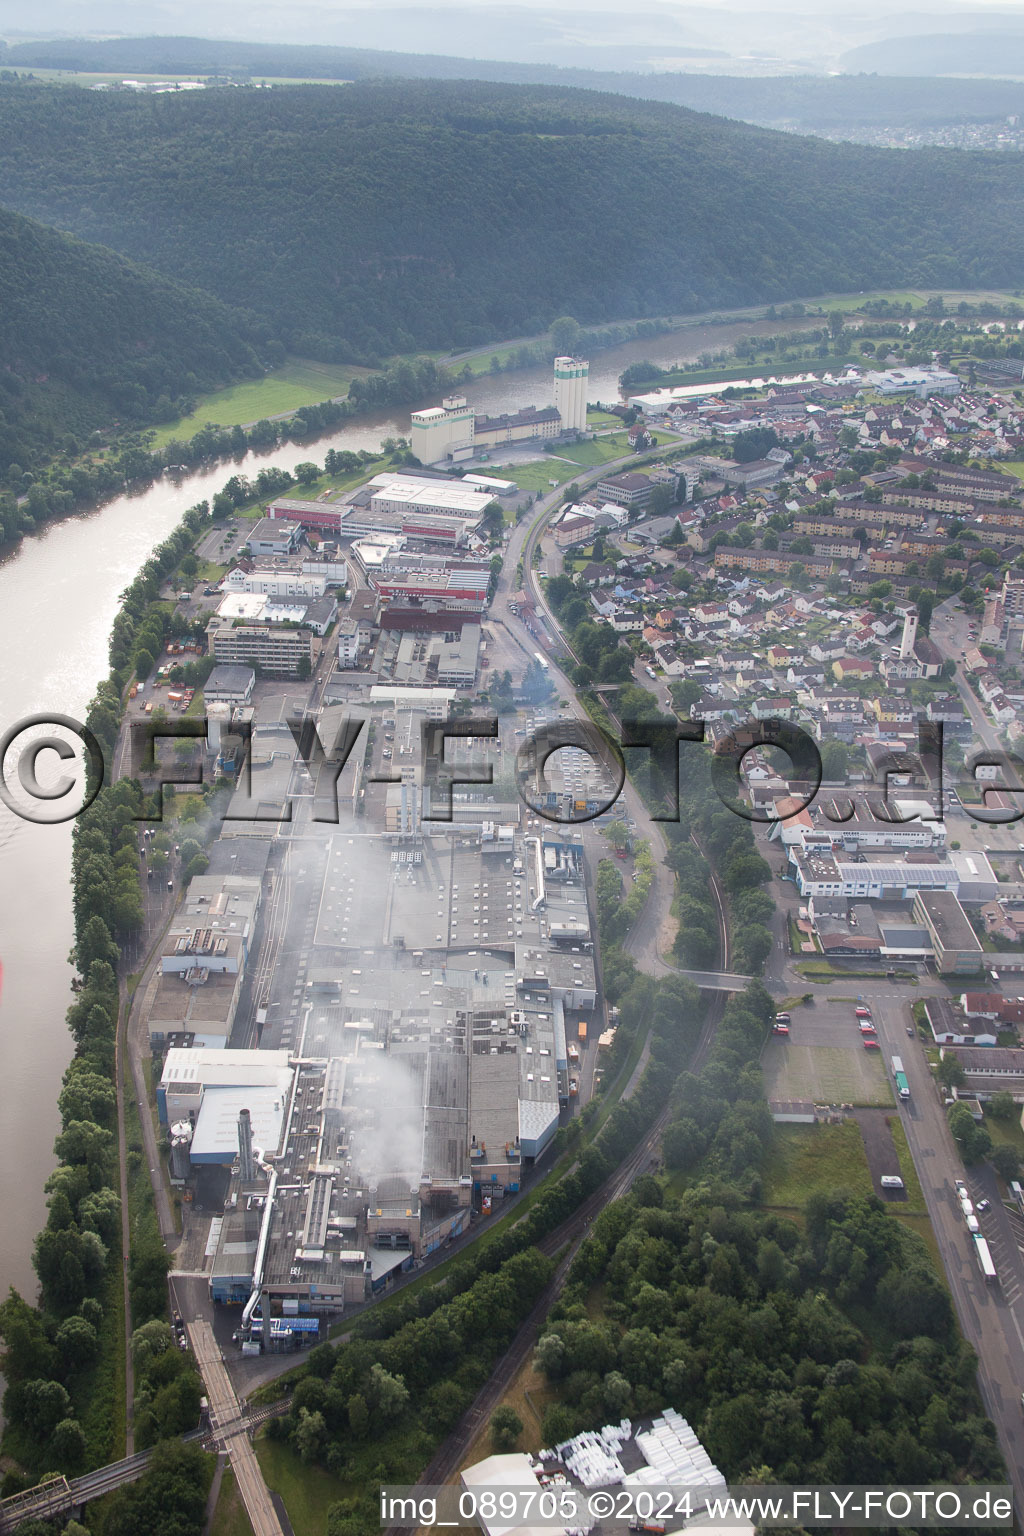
pixel 59 593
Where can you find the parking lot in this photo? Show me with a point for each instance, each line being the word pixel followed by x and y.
pixel 823 1058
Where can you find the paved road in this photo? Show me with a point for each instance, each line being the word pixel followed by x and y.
pixel 228 1423
pixel 990 1316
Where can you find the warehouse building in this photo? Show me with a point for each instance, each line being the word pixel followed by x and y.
pixel 956 946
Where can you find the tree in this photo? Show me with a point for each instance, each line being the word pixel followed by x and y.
pixel 86 1096
pixel 1001 1106
pixel 661 499
pixel 358 1415
pixel 835 758
pixel 95 944
pixel 386 1394
pixel 68 1444
pixel 973 1140
pixel 617 834
pixel 550 1355
pixel 950 1073
pixel 925 605
pixel 43 1405
pixel 307 472
pixel 565 335
pixel 309 1435
pixel 506 1427
pixel 1005 1159
pixel 77 1342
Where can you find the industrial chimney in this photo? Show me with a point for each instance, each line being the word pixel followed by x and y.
pixel 245 1157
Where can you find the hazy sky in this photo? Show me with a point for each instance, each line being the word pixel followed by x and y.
pixel 716 35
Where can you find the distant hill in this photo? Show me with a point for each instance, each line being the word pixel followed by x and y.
pixel 87 337
pixel 988 51
pixel 394 215
pixel 881 99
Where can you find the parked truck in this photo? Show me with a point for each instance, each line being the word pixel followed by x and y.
pixel 900 1078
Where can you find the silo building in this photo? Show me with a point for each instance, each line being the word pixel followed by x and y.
pixel 571 376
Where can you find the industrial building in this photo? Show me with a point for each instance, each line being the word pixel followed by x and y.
pixel 443 431
pixel 406 493
pixel 275 582
pixel 423 1057
pixel 443 591
pixel 451 432
pixel 958 951
pixel 229 685
pixel 275 649
pixel 197 986
pixel 274 537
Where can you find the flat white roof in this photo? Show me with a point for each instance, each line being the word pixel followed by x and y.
pixel 216 1129
pixel 242 605
pixel 221 1068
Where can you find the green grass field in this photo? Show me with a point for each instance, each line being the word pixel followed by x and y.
pixel 590 455
pixel 598 419
pixel 308 1492
pixel 824 1073
pixel 299 382
pixel 229 1517
pixel 1013 466
pixel 1006 1132
pixel 806 1158
pixel 338 482
pixel 915 1198
pixel 536 475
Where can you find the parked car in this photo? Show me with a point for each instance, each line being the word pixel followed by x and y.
pixel 862 1013
pixel 983 1205
pixel 871 1045
pixel 910 1031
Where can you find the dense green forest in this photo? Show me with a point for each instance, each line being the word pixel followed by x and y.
pixel 809 101
pixel 401 214
pixel 88 337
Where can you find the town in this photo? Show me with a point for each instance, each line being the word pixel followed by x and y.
pixel 374 1012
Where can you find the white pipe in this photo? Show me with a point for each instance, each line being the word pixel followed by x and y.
pixel 541 897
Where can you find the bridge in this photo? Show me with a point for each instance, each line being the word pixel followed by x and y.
pixel 57 1498
pixel 714 981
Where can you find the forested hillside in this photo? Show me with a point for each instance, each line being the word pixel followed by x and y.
pixel 808 101
pixel 87 337
pixel 392 215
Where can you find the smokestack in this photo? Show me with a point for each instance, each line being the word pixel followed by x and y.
pixel 245 1157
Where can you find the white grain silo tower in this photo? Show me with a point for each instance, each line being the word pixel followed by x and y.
pixel 181 1147
pixel 571 377
pixel 909 634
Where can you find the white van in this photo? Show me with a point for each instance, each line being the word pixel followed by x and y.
pixel 891 1181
